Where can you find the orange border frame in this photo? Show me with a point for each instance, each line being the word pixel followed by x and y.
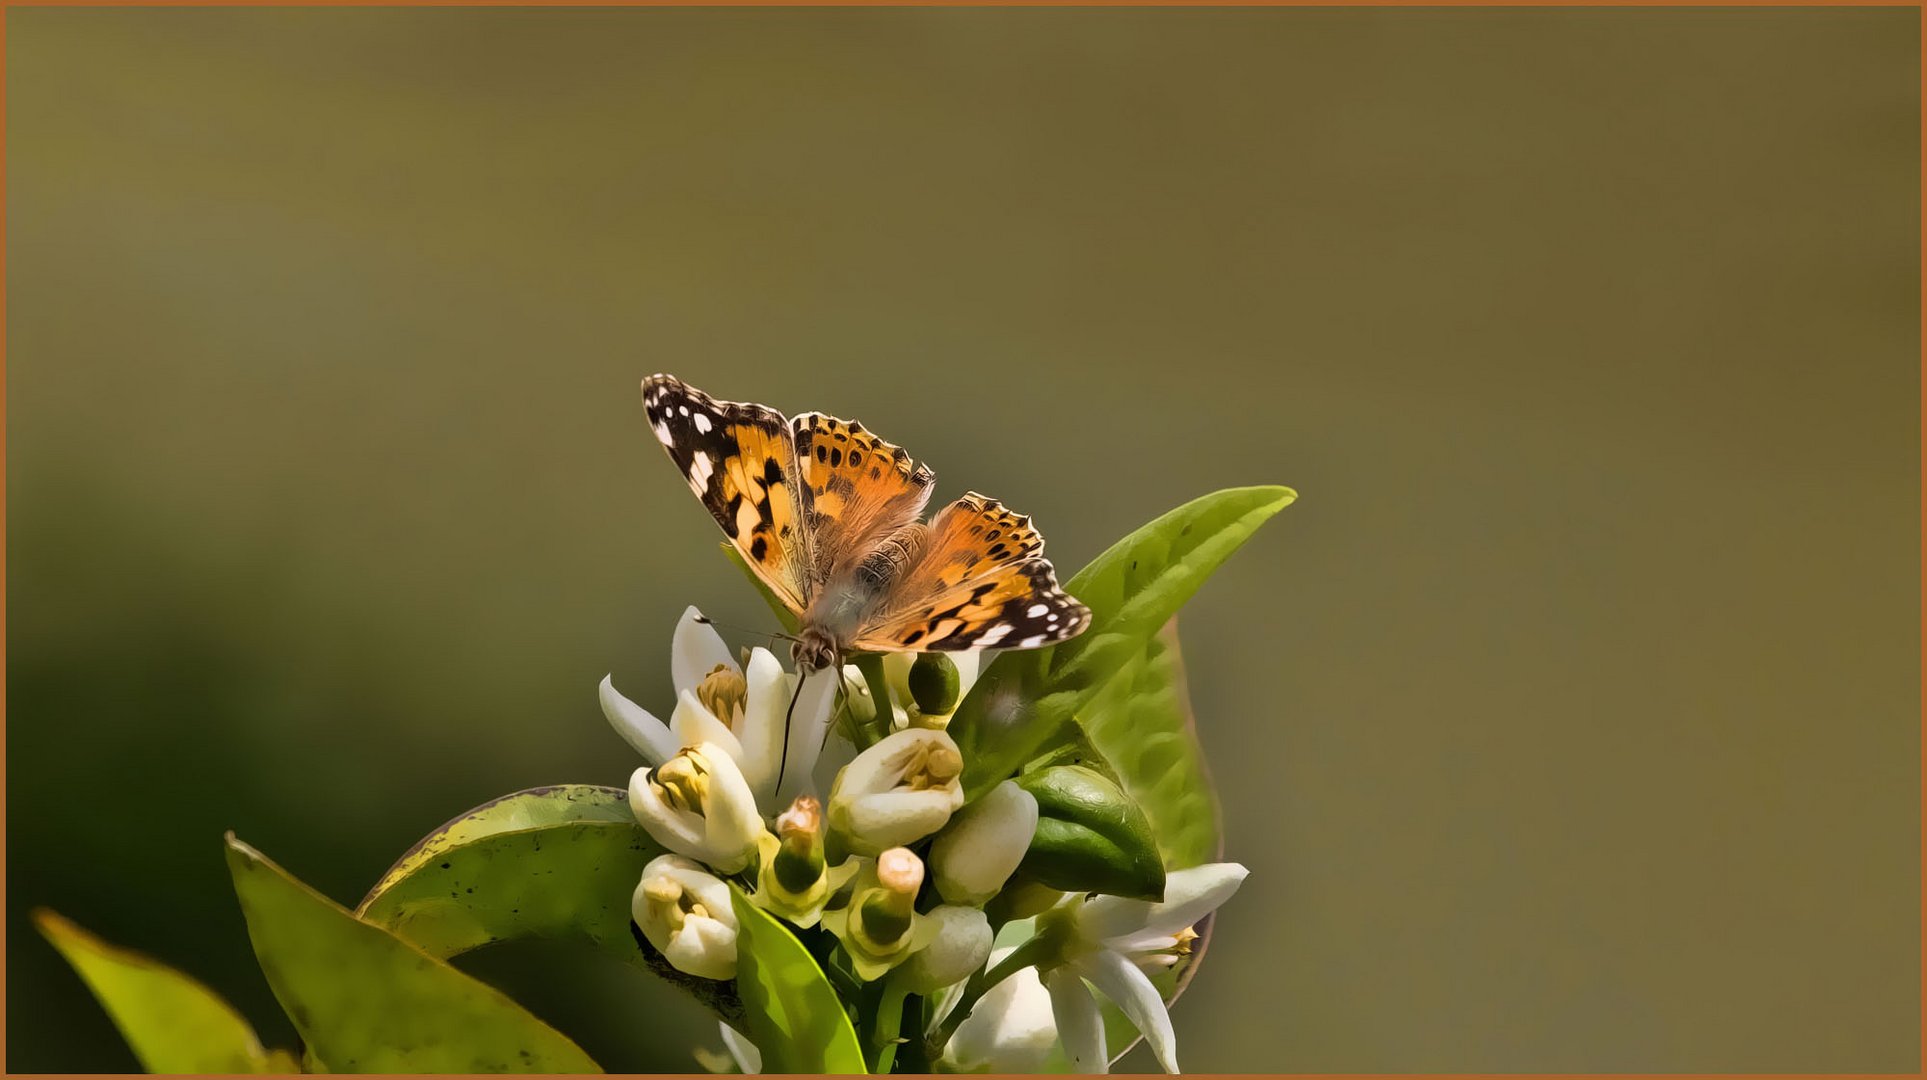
pixel 1918 5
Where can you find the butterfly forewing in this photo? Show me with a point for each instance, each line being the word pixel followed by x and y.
pixel 741 461
pixel 861 490
pixel 978 581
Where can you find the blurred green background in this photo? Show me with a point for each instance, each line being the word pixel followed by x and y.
pixel 1568 722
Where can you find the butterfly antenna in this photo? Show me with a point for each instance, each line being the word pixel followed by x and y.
pixel 771 635
pixel 783 760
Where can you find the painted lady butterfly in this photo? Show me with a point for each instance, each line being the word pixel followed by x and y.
pixel 827 515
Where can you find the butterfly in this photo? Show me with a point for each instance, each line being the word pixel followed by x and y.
pixel 828 516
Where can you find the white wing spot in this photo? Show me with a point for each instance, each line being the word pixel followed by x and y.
pixel 699 469
pixel 994 635
pixel 1031 642
pixel 663 436
pixel 702 423
pixel 1037 610
pixel 683 409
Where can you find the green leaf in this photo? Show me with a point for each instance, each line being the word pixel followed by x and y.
pixel 366 1001
pixel 1134 588
pixel 553 862
pixel 1141 722
pixel 550 863
pixel 794 1016
pixel 1091 836
pixel 172 1022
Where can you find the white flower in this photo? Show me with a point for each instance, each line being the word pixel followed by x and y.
pixel 744 711
pixel 956 951
pixel 899 791
pixel 979 850
pixel 697 804
pixel 1011 1029
pixel 685 913
pixel 1108 940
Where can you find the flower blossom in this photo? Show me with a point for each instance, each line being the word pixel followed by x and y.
pixel 1112 942
pixel 750 711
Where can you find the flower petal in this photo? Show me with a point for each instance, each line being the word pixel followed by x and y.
pixel 871 823
pixel 761 736
pixel 1189 895
pixel 809 724
pixel 1010 1031
pixel 695 651
pixel 704 948
pixel 1131 989
pixel 637 726
pixel 1079 1024
pixel 693 724
pixel 732 825
pixel 679 832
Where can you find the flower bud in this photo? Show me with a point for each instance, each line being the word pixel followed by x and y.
pixel 897 792
pixel 1013 1029
pixel 794 881
pixel 934 684
pixel 926 687
pixel 977 852
pixel 956 952
pixel 698 804
pixel 685 913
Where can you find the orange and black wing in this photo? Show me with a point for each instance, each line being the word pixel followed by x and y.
pixel 740 460
pixel 861 490
pixel 979 581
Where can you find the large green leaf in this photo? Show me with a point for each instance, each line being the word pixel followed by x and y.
pixel 1132 589
pixel 536 808
pixel 366 1001
pixel 793 1014
pixel 1141 722
pixel 554 862
pixel 172 1022
pixel 550 863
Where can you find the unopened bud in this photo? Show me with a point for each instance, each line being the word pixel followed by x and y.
pixel 956 952
pixel 975 854
pixel 934 684
pixel 798 863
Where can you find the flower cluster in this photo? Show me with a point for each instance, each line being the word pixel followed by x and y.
pixel 911 881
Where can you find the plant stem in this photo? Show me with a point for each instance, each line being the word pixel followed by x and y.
pixel 916 1052
pixel 872 668
pixel 889 1024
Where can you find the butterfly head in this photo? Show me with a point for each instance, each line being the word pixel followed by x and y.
pixel 815 650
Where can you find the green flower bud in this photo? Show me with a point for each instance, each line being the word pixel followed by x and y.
pixel 934 684
pixel 880 927
pixel 794 881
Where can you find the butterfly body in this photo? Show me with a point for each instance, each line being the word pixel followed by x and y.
pixel 828 516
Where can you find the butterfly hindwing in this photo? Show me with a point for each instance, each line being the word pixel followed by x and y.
pixel 740 460
pixel 861 490
pixel 979 580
